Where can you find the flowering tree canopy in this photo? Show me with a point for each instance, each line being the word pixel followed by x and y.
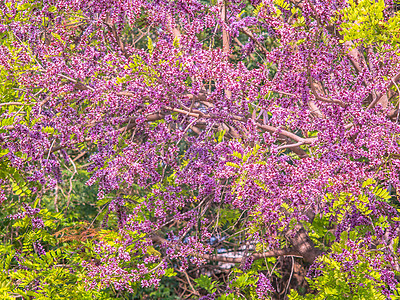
pixel 215 149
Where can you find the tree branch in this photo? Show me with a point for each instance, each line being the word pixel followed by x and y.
pixel 378 98
pixel 255 256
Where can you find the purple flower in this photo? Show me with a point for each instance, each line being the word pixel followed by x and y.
pixel 263 287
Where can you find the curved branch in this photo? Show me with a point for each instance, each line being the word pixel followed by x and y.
pixel 319 97
pixel 11 103
pixel 288 134
pixel 255 256
pixel 378 97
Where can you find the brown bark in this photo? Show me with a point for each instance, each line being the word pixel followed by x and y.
pixel 302 243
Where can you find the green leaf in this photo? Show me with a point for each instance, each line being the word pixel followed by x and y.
pixel 48 130
pixel 4 152
pixel 57 37
pixel 237 154
pixel 150 45
pixel 23 7
pixel 231 164
pixel 170 272
pixel 176 42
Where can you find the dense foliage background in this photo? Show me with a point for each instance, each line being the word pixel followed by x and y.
pixel 199 149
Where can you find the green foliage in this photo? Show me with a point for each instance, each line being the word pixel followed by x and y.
pixel 258 8
pixel 282 4
pixel 364 22
pixel 343 203
pixel 55 275
pixel 347 269
pixel 228 216
pixel 206 283
pixel 338 281
pixel 320 232
pixel 58 274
